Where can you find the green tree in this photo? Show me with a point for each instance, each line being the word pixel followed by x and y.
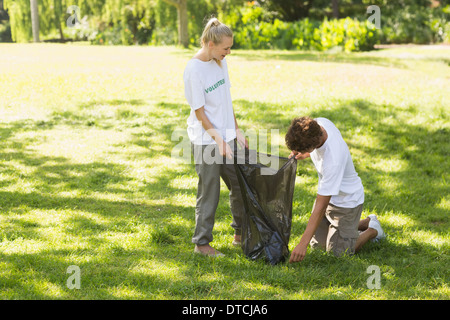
pixel 183 33
pixel 290 10
pixel 335 5
pixel 49 14
pixel 20 19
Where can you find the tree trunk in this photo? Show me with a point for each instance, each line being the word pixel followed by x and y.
pixel 183 35
pixel 35 20
pixel 58 13
pixel 61 34
pixel 335 4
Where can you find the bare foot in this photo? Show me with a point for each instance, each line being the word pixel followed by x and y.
pixel 207 250
pixel 237 240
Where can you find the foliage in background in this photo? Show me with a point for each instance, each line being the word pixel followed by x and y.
pixel 20 20
pixel 289 10
pixel 414 21
pixel 260 24
pixel 87 176
pixel 254 29
pixel 5 32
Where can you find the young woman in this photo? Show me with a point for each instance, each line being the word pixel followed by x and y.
pixel 213 131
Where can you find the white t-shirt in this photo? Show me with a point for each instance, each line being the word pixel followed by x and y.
pixel 337 175
pixel 206 84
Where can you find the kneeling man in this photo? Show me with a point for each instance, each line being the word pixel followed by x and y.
pixel 335 223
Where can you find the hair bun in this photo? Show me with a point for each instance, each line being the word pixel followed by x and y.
pixel 215 22
pixel 214 34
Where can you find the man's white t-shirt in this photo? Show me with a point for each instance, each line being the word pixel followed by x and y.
pixel 206 84
pixel 337 175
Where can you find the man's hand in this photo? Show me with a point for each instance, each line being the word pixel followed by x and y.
pixel 299 156
pixel 298 253
pixel 316 217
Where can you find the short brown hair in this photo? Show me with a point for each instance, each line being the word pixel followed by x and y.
pixel 303 135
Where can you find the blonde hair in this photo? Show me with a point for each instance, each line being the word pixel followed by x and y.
pixel 214 31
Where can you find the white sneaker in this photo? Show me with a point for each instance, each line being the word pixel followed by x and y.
pixel 373 217
pixel 375 224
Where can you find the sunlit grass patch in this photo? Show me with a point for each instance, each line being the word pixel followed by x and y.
pixel 90 174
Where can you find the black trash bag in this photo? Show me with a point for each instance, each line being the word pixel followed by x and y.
pixel 267 192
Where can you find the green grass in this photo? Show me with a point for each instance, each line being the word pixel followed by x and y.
pixel 87 177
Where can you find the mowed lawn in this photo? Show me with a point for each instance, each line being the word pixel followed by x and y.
pixel 88 177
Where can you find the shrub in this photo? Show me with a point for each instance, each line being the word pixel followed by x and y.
pixel 5 32
pixel 255 28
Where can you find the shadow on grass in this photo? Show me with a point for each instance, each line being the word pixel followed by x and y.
pixel 157 271
pixel 314 56
pixel 416 191
pixel 114 102
pixel 366 58
pixel 417 187
pixel 322 57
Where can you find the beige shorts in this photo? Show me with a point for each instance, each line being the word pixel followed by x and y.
pixel 338 230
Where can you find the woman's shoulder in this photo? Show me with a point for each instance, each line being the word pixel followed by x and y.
pixel 194 70
pixel 197 64
pixel 191 63
pixel 191 67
